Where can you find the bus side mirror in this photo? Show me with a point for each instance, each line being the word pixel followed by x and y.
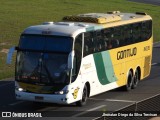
pixel 70 60
pixel 10 54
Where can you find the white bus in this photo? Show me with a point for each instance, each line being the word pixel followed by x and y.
pixel 82 56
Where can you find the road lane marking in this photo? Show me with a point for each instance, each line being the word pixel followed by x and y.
pixel 156 42
pixel 154 64
pixel 5 84
pixel 92 109
pixel 16 103
pixel 97 118
pixel 113 100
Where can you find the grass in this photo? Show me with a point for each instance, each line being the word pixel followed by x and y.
pixel 15 16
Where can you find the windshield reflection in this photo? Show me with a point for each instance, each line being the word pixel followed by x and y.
pixel 41 67
pixel 43 59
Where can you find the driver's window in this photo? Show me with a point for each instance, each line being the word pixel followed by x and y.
pixel 78 55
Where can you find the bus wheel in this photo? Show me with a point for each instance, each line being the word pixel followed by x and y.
pixel 135 79
pixel 83 101
pixel 129 82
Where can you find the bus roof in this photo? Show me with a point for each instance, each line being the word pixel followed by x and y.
pixel 73 25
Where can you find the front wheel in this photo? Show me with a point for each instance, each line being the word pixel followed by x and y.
pixel 83 101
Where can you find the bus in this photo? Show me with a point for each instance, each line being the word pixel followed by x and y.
pixel 83 55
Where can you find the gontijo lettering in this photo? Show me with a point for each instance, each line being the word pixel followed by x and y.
pixel 126 53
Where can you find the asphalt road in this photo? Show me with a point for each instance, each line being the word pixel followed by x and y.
pixel 109 101
pixel 154 2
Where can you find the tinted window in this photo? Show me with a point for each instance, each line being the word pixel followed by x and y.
pixel 89 43
pixel 118 36
pixel 46 43
pixel 78 56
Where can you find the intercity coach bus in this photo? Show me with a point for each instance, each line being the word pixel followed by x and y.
pixel 82 56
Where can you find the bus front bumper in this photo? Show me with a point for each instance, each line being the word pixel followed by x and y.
pixel 51 98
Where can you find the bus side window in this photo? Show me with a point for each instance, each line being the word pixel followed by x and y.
pixel 107 38
pixel 146 30
pixel 98 41
pixel 104 41
pixel 94 42
pixel 149 29
pixel 88 43
pixel 131 32
pixel 116 37
pixel 86 46
pixel 127 35
pixel 105 45
pixel 121 37
pixel 143 31
pixel 109 44
pixel 137 32
pixel 91 43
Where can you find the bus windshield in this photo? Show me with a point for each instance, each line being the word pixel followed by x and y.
pixel 43 59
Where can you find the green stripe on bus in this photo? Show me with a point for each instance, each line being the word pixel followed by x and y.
pixel 90 29
pixel 104 68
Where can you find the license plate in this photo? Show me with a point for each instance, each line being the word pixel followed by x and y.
pixel 38 98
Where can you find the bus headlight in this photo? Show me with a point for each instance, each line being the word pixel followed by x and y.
pixel 20 89
pixel 62 92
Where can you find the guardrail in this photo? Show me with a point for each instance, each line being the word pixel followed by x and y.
pixel 141 110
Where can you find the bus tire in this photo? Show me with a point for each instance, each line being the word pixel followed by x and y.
pixel 83 101
pixel 128 86
pixel 135 79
